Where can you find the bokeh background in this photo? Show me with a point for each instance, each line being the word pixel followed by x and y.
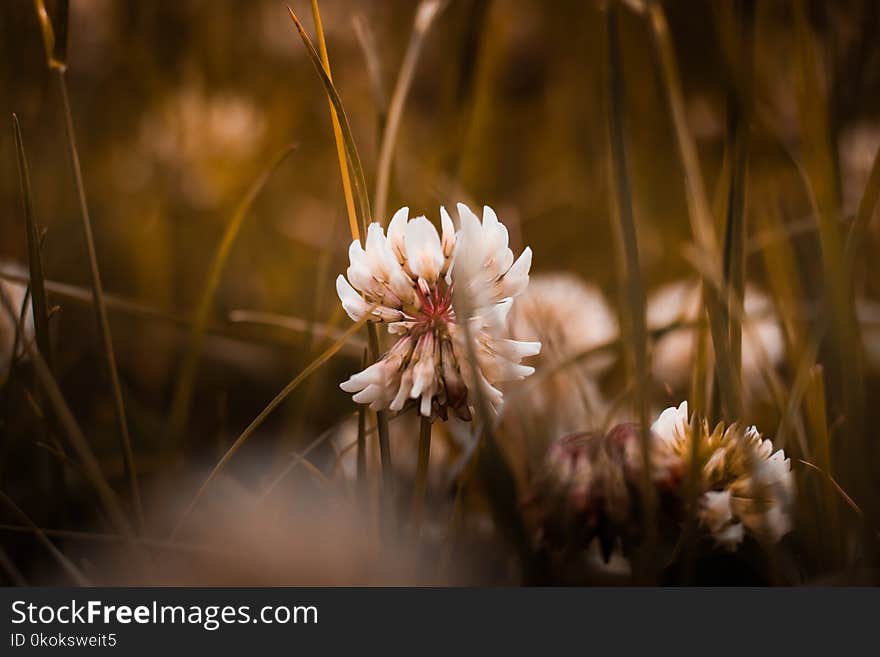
pixel 178 106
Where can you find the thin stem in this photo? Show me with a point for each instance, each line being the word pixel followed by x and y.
pixel 701 218
pixel 362 439
pixel 100 306
pixel 425 14
pixel 421 485
pixel 630 270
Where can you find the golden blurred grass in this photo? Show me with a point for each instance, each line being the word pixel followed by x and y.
pixel 176 105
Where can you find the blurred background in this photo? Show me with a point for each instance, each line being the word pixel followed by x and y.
pixel 178 106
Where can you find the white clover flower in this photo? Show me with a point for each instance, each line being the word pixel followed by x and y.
pixel 763 343
pixel 569 317
pixel 747 487
pixel 407 279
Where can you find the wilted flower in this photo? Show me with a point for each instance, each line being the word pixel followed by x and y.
pixel 745 486
pixel 583 493
pixel 406 280
pixel 763 344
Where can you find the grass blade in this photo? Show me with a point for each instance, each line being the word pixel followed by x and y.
pixel 365 216
pixel 367 41
pixel 354 160
pixel 92 470
pixel 632 290
pixel 738 130
pixel 846 367
pixel 39 304
pixel 702 224
pixel 337 130
pixel 181 401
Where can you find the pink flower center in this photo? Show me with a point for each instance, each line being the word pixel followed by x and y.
pixel 436 305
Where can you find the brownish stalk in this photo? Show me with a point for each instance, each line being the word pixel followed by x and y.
pixel 362 439
pixel 702 224
pixel 490 466
pixel 125 306
pixel 36 284
pixel 826 516
pixel 846 369
pixel 629 273
pixel 739 120
pixel 180 405
pixel 421 485
pixel 426 12
pixel 39 301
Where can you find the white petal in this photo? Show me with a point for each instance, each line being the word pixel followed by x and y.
pixel 448 233
pixel 494 232
pixel 396 231
pixel 424 253
pixel 467 218
pixel 403 391
pixel 517 277
pixel 715 511
pixel 352 302
pixel 516 350
pixel 671 423
pixel 730 537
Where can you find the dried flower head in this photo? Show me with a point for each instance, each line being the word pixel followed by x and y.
pixel 583 493
pixel 406 280
pixel 745 485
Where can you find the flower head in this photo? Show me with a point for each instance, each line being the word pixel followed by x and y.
pixel 405 279
pixel 582 492
pixel 746 486
pixel 569 317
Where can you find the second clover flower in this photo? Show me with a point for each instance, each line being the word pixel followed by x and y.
pixel 405 279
